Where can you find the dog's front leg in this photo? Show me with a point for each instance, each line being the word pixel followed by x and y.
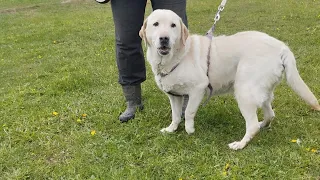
pixel 176 107
pixel 195 98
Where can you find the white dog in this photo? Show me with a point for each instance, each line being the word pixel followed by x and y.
pixel 250 64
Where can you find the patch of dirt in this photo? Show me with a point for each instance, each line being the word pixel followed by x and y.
pixel 19 9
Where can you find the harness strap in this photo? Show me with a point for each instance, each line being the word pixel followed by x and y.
pixel 209 85
pixel 174 94
pixel 209 34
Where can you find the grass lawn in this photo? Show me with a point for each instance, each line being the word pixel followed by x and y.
pixel 58 56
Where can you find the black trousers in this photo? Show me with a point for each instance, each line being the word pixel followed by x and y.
pixel 128 16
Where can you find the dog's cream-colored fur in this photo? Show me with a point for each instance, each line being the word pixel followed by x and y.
pixel 248 64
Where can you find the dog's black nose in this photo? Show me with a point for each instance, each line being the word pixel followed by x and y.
pixel 164 40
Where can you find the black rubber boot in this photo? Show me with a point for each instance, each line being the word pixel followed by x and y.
pixel 184 106
pixel 134 102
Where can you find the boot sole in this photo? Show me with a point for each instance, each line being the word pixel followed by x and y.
pixel 126 119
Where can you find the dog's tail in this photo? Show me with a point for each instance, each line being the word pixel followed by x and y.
pixel 294 80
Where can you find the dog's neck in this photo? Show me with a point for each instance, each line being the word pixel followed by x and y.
pixel 163 65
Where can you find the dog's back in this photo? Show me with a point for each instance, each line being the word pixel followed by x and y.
pixel 256 61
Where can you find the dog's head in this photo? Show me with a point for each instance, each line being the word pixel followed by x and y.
pixel 164 30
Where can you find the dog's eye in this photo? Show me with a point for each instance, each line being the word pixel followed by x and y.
pixel 156 24
pixel 173 25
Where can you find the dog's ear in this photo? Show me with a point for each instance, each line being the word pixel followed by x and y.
pixel 184 32
pixel 142 32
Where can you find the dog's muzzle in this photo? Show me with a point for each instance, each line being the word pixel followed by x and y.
pixel 164 48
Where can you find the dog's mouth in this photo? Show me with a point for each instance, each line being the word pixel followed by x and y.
pixel 164 50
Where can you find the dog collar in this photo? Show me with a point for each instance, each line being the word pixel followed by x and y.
pixel 166 74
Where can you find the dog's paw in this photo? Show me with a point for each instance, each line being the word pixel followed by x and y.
pixel 317 107
pixel 237 145
pixel 264 124
pixel 167 130
pixel 190 130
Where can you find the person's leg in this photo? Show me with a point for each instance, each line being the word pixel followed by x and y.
pixel 177 6
pixel 128 18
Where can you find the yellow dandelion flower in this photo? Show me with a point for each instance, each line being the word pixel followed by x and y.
pixel 225 173
pixel 54 42
pixel 93 132
pixel 84 115
pixel 293 140
pixel 227 166
pixel 226 169
pixel 314 150
pixel 79 121
pixel 55 113
pixel 180 178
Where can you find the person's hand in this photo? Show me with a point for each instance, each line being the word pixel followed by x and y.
pixel 102 1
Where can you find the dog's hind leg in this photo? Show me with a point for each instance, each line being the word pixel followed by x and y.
pixel 268 113
pixel 248 110
pixel 176 107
